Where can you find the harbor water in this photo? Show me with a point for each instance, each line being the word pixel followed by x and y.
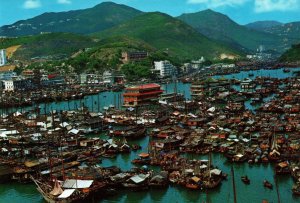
pixel 255 192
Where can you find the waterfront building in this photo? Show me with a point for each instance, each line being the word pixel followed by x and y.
pixel 22 84
pixel 196 64
pixel 166 68
pixel 8 85
pixel 8 75
pixel 93 79
pixel 28 73
pixel 83 78
pixel 112 78
pixel 53 79
pixel 3 57
pixel 142 94
pixel 134 56
pixel 89 78
pixel 187 68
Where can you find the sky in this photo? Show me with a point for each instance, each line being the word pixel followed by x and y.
pixel 241 11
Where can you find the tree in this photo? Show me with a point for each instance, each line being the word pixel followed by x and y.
pixel 135 71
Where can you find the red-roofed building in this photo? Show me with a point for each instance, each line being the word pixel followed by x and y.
pixel 142 94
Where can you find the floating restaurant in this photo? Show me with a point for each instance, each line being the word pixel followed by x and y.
pixel 142 94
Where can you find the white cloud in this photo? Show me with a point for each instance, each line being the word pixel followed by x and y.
pixel 64 1
pixel 218 3
pixel 262 6
pixel 30 4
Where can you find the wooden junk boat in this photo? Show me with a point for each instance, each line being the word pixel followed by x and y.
pixel 144 159
pixel 245 179
pixel 194 183
pixel 70 190
pixel 131 132
pixel 282 168
pixel 267 184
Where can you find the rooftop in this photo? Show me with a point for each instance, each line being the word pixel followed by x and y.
pixel 144 86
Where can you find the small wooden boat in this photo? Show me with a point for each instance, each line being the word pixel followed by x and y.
pixel 267 184
pixel 212 183
pixel 136 147
pixel 245 179
pixel 192 186
pixel 282 168
pixel 296 188
pixel 5 173
pixel 144 159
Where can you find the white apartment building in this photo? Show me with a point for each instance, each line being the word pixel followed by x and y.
pixel 8 85
pixel 165 68
pixel 2 57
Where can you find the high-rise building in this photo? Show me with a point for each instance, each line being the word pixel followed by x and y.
pixel 2 57
pixel 166 68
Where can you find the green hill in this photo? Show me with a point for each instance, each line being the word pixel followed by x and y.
pixel 291 55
pixel 168 34
pixel 107 54
pixel 220 27
pixel 288 31
pixel 47 46
pixel 100 17
pixel 262 25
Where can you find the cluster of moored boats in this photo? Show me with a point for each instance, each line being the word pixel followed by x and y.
pixel 30 97
pixel 58 153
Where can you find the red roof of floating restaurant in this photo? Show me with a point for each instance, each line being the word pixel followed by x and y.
pixel 145 86
pixel 143 94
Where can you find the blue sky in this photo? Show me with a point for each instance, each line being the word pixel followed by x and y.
pixel 242 11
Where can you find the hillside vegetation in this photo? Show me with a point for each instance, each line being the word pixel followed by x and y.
pixel 47 45
pixel 170 35
pixel 220 27
pixel 291 55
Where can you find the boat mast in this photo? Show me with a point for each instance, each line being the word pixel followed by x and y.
pixel 274 143
pixel 233 184
pixel 175 86
pixel 277 191
pixel 98 102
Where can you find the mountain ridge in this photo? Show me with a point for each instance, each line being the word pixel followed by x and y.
pixel 222 28
pixel 84 21
pixel 262 25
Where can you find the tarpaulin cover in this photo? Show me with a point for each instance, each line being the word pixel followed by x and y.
pixel 72 183
pixel 66 193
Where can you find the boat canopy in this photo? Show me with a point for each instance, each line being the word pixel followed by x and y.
pixel 212 109
pixel 203 166
pixel 139 178
pixel 143 155
pixel 195 179
pixel 216 172
pixel 73 131
pixel 77 184
pixel 66 193
pixel 283 164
